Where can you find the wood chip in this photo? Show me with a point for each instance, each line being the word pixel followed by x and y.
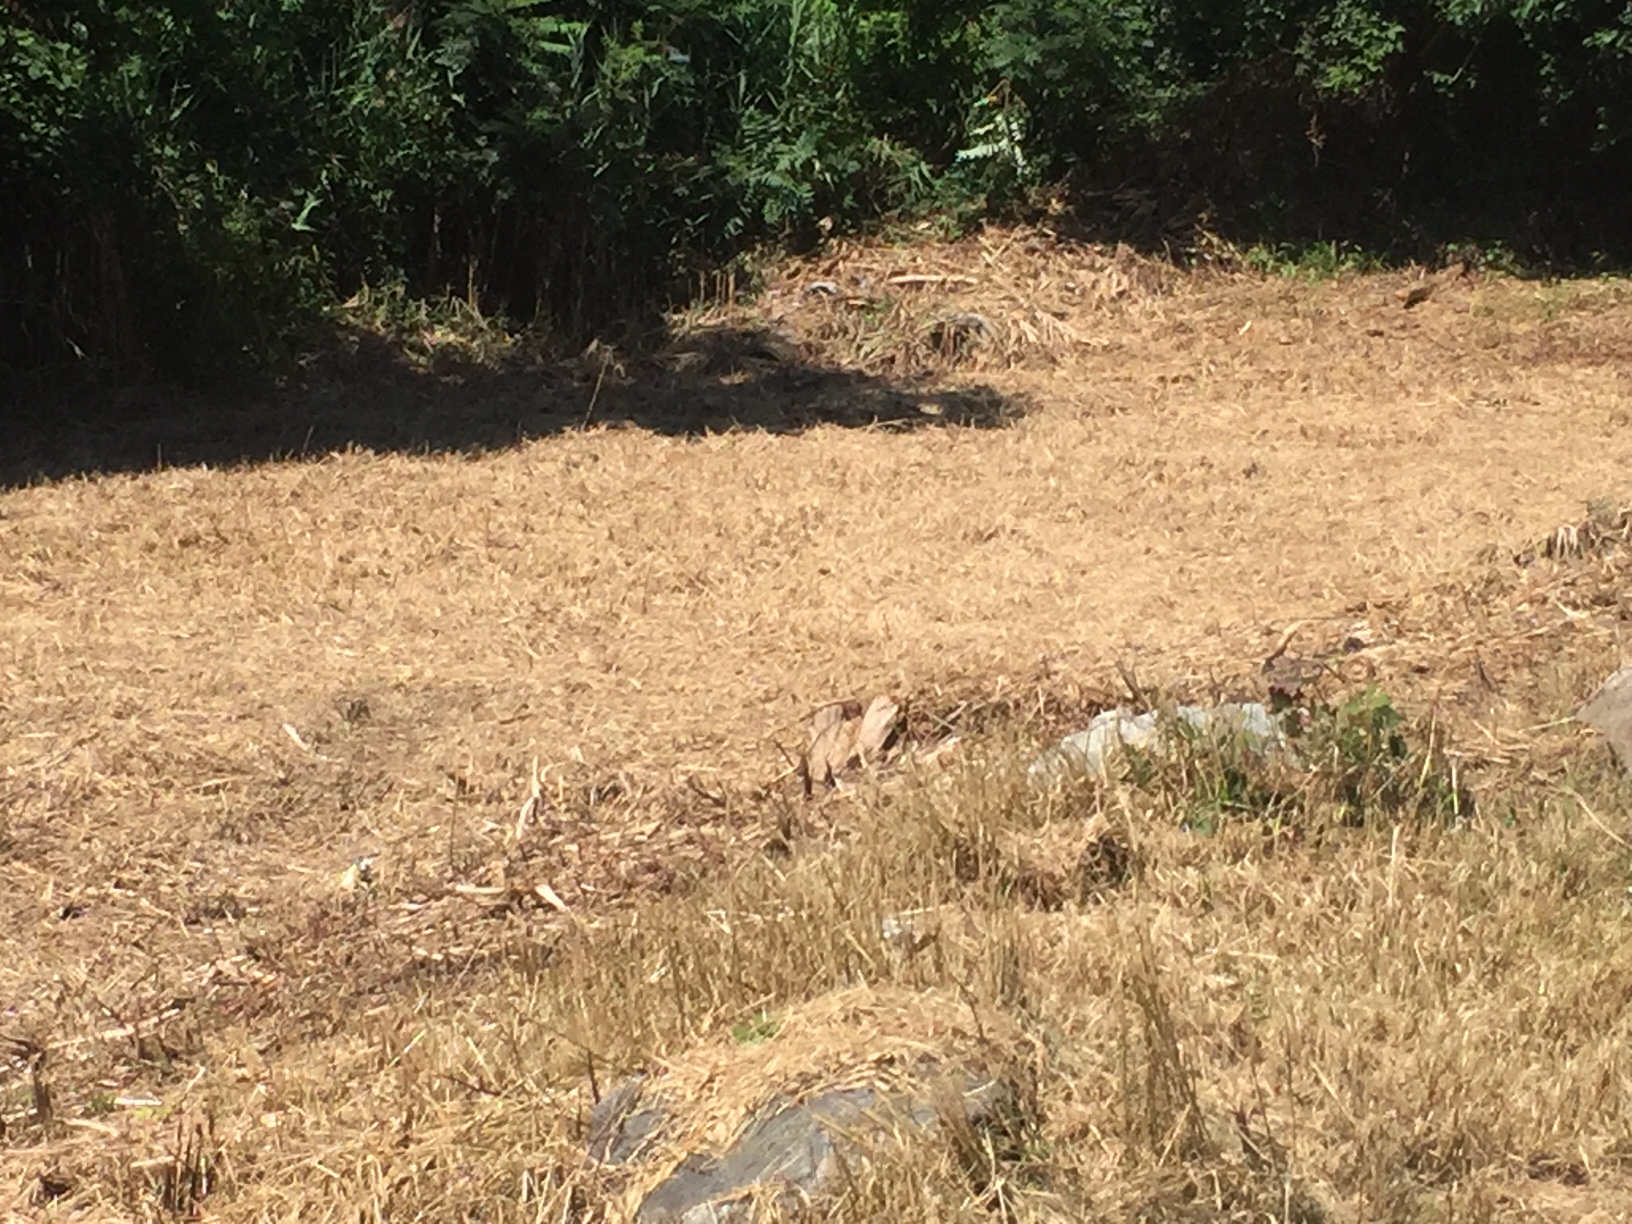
pixel 550 898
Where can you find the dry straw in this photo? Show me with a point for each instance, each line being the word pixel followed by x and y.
pixel 624 629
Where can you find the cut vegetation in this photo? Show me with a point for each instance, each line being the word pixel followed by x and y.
pixel 366 817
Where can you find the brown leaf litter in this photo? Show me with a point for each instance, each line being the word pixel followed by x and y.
pixel 845 737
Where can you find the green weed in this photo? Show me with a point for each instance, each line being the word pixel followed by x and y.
pixel 1354 760
pixel 1316 261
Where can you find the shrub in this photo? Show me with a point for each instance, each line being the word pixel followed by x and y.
pixel 188 183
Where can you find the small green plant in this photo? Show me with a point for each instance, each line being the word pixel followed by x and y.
pixel 762 1026
pixel 430 332
pixel 1364 756
pixel 1491 257
pixel 1317 261
pixel 995 153
pixel 1214 775
pixel 1358 756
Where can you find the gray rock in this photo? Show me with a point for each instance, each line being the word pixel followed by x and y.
pixel 1610 711
pixel 618 1129
pixel 795 1150
pixel 1092 750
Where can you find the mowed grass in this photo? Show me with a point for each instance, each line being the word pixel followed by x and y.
pixel 225 687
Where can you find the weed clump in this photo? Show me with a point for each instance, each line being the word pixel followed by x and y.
pixel 1349 763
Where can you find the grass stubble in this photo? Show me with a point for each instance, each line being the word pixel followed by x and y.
pixel 1296 1005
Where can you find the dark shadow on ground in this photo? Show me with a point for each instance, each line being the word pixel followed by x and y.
pixel 368 394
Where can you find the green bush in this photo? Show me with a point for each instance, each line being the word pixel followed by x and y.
pixel 188 183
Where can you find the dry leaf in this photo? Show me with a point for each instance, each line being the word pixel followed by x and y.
pixel 832 735
pixel 843 737
pixel 878 726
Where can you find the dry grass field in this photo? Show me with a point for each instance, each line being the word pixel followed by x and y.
pixel 1000 480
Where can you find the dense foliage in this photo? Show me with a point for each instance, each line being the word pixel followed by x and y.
pixel 184 180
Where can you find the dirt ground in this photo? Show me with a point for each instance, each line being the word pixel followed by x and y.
pixel 222 685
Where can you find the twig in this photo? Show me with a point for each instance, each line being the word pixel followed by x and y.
pixel 535 800
pixel 289 730
pixel 1284 641
pixel 472 1085
pixel 1131 679
pixel 596 394
pixel 922 278
pixel 550 898
pixel 1593 816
